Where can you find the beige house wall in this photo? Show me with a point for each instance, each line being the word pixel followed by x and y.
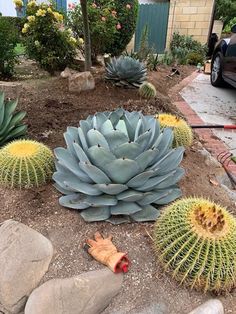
pixel 190 17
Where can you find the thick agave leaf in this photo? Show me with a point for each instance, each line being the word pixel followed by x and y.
pixel 81 155
pixel 140 179
pixel 117 220
pixel 107 127
pixel 98 120
pixel 100 156
pixel 143 140
pixel 122 170
pixel 17 132
pixel 96 174
pixel 74 201
pixel 148 213
pixel 153 196
pixel 96 138
pixel 127 150
pixel 116 138
pixel 173 195
pixel 61 189
pixel 146 158
pixel 85 126
pixel 166 142
pixel 130 196
pixel 101 200
pixel 111 189
pixel 121 126
pixel 125 208
pixel 96 214
pixel 83 139
pixel 5 124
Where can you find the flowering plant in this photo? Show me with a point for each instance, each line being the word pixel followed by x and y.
pixel 47 40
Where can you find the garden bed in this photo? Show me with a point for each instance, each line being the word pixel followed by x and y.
pixel 50 109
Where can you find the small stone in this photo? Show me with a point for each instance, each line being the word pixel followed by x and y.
pixel 81 82
pixel 88 293
pixel 212 306
pixel 25 256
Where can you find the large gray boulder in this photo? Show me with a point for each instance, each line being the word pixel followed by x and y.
pixel 89 293
pixel 25 256
pixel 79 82
pixel 212 306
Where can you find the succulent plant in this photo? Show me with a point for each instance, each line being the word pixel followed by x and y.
pixel 195 241
pixel 25 163
pixel 11 126
pixel 183 135
pixel 115 165
pixel 126 72
pixel 147 90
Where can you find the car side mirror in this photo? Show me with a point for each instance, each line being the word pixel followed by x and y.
pixel 233 28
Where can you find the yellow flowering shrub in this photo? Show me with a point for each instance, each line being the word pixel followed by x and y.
pixel 18 3
pixel 46 38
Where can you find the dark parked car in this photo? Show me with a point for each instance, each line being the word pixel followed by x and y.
pixel 223 64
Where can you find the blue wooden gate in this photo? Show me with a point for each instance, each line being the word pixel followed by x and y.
pixel 155 16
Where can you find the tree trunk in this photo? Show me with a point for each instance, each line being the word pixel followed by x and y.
pixel 87 41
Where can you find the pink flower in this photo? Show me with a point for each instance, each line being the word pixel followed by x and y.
pixel 113 13
pixel 128 6
pixel 118 26
pixel 103 18
pixel 94 5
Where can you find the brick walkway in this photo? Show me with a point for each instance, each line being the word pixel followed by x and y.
pixel 212 143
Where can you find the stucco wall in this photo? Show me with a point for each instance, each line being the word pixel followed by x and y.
pixel 190 17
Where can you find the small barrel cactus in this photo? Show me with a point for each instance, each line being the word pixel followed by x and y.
pixel 195 241
pixel 147 90
pixel 25 163
pixel 116 165
pixel 183 135
pixel 11 126
pixel 126 72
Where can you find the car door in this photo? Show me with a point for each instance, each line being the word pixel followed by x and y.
pixel 229 71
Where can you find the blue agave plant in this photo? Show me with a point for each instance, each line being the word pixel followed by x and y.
pixel 116 165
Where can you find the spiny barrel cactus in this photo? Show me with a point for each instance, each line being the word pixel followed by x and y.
pixel 11 126
pixel 183 135
pixel 116 164
pixel 126 72
pixel 25 163
pixel 147 90
pixel 195 241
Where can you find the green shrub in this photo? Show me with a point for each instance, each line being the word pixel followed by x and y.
pixel 8 40
pixel 17 22
pixel 193 58
pixel 112 24
pixel 46 39
pixel 227 28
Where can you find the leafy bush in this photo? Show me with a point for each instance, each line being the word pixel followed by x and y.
pixel 8 40
pixel 193 58
pixel 17 22
pixel 227 28
pixel 182 45
pixel 111 24
pixel 46 39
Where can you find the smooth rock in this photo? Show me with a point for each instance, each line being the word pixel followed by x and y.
pixel 11 89
pixel 212 306
pixel 88 293
pixel 81 82
pixel 209 159
pixel 25 256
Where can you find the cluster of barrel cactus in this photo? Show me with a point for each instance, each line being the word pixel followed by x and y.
pixel 183 135
pixel 116 165
pixel 11 126
pixel 126 72
pixel 147 90
pixel 195 241
pixel 25 163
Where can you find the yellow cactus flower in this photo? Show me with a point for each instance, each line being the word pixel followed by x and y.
pixel 18 3
pixel 81 41
pixel 31 18
pixel 41 12
pixel 31 4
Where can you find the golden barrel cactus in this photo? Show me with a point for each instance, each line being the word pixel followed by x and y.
pixel 25 163
pixel 183 135
pixel 195 241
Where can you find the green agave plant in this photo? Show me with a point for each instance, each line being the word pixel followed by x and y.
pixel 126 72
pixel 116 165
pixel 11 126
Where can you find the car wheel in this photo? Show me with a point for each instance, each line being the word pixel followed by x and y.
pixel 216 70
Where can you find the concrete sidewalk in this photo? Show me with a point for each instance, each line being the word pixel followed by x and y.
pixel 213 105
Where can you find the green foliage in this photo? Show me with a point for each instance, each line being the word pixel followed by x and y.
pixel 183 135
pixel 25 164
pixel 182 45
pixel 147 90
pixel 46 39
pixel 8 41
pixel 111 24
pixel 17 22
pixel 126 72
pixel 116 165
pixel 195 241
pixel 11 126
pixel 167 58
pixel 153 61
pixel 193 58
pixel 225 10
pixel 227 28
pixel 144 49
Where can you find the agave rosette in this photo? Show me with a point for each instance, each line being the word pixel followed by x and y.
pixel 116 165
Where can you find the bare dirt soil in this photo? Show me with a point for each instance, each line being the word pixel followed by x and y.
pixel 51 108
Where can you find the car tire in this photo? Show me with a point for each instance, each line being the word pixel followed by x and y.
pixel 216 70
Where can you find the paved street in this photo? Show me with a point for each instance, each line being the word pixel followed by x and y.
pixel 213 105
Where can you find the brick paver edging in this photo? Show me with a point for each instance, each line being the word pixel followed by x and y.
pixel 211 142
